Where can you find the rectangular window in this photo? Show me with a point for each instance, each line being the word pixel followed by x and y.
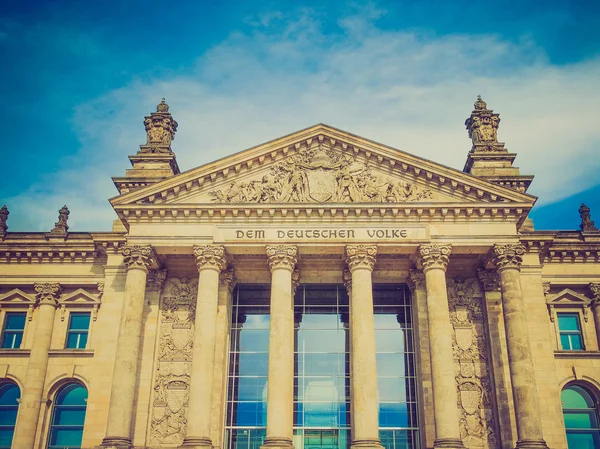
pixel 12 334
pixel 569 329
pixel 77 335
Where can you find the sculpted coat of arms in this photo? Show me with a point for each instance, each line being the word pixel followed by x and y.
pixel 321 175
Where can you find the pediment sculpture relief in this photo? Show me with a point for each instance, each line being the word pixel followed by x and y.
pixel 321 175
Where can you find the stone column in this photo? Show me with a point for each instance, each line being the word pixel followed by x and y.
pixel 210 260
pixel 595 290
pixel 219 400
pixel 365 408
pixel 29 409
pixel 138 259
pixel 508 259
pixel 433 259
pixel 280 389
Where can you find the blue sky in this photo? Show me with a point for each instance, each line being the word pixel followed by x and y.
pixel 78 76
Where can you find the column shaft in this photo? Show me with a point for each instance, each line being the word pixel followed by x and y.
pixel 280 389
pixel 33 388
pixel 508 260
pixel 211 261
pixel 138 259
pixel 434 260
pixel 365 407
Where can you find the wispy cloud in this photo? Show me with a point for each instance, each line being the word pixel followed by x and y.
pixel 409 90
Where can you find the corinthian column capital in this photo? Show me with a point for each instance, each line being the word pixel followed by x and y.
pixel 282 257
pixel 508 256
pixel 361 256
pixel 434 256
pixel 47 293
pixel 141 257
pixel 595 291
pixel 210 257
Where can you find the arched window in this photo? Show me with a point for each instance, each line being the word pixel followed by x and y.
pixel 580 411
pixel 68 416
pixel 9 405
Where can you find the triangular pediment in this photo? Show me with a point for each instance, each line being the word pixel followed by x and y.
pixel 568 297
pixel 322 166
pixel 17 297
pixel 79 297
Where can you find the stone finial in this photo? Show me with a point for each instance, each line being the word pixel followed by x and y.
pixel 160 130
pixel 508 256
pixel 587 225
pixel 47 293
pixel 282 256
pixel 433 256
pixel 3 218
pixel 140 257
pixel 210 257
pixel 483 127
pixel 361 256
pixel 61 227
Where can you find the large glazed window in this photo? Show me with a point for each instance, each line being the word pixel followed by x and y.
pixel 580 411
pixel 68 416
pixel 9 405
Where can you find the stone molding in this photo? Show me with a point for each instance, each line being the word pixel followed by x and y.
pixel 47 293
pixel 141 257
pixel 361 256
pixel 210 257
pixel 489 279
pixel 282 257
pixel 416 280
pixel 434 257
pixel 508 256
pixel 227 279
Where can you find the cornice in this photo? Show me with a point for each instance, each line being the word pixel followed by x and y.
pixel 562 247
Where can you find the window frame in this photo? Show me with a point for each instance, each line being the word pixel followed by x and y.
pixel 11 382
pixel 593 394
pixel 569 333
pixel 15 331
pixel 51 426
pixel 78 331
pixel 571 302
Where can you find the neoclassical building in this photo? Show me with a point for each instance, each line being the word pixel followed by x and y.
pixel 320 290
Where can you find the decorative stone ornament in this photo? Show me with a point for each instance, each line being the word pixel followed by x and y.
pixel 160 130
pixel 282 256
pixel 295 281
pixel 47 293
pixel 508 256
pixel 61 227
pixel 595 291
pixel 489 279
pixel 210 257
pixel 227 279
pixel 361 256
pixel 483 127
pixel 434 256
pixel 587 225
pixel 3 218
pixel 155 280
pixel 141 257
pixel 347 280
pixel 416 280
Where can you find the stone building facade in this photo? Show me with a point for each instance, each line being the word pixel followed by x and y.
pixel 318 290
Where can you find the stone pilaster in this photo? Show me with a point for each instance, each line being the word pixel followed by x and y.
pixel 347 280
pixel 361 261
pixel 508 259
pixel 138 260
pixel 280 391
pixel 211 261
pixel 46 296
pixel 219 400
pixel 595 291
pixel 433 259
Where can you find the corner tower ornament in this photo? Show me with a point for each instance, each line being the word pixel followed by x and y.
pixel 483 128
pixel 61 227
pixel 160 130
pixel 320 175
pixel 587 225
pixel 3 219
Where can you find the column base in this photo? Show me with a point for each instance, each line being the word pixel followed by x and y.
pixel 531 444
pixel 277 443
pixel 115 443
pixel 196 443
pixel 366 444
pixel 449 443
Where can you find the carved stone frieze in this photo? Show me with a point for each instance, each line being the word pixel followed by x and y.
pixel 139 256
pixel 490 280
pixel 434 256
pixel 361 256
pixel 172 379
pixel 416 280
pixel 210 257
pixel 47 293
pixel 478 427
pixel 320 175
pixel 282 256
pixel 508 256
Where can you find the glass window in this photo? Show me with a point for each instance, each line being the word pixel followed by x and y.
pixel 12 334
pixel 569 329
pixel 66 429
pixel 580 412
pixel 79 325
pixel 9 405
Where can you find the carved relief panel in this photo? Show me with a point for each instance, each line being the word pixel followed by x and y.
pixel 174 360
pixel 478 426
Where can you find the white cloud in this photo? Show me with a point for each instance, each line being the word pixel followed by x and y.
pixel 411 91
